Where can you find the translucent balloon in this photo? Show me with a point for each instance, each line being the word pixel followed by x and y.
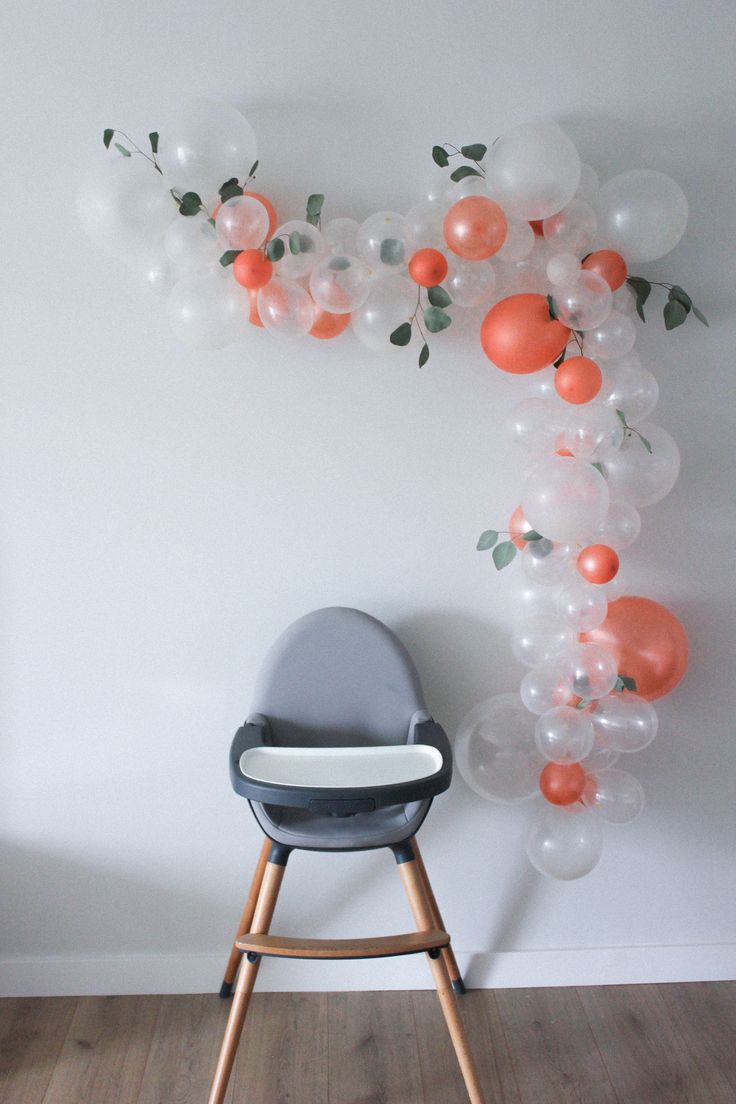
pixel 470 283
pixel 382 242
pixel 592 669
pixel 537 640
pixel 155 271
pixel 470 185
pixel 191 242
pixel 563 268
pixel 615 795
pixel 538 424
pixel 582 605
pixel 286 308
pixel 294 266
pixel 203 144
pixel 124 202
pixel 242 223
pixel 518 243
pixel 600 757
pixel 544 383
pixel 614 338
pixel 565 842
pixel 544 688
pixel 495 752
pixel 589 185
pixel 572 229
pixel 389 303
pixel 629 387
pixel 642 214
pixel 565 499
pixel 564 735
pixel 585 303
pixel 593 432
pixel 616 587
pixel 208 309
pixel 423 227
pixel 533 170
pixel 341 235
pixel 624 722
pixel 638 476
pixel 620 527
pixel 546 563
pixel 340 283
pixel 624 300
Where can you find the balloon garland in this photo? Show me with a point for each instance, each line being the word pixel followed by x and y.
pixel 525 234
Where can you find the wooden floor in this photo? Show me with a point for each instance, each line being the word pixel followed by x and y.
pixel 644 1044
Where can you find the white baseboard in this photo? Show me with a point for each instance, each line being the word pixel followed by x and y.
pixel 45 977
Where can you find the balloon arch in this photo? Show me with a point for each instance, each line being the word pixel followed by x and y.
pixel 524 235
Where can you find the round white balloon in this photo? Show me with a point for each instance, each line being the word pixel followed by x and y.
pixel 642 214
pixel 203 144
pixel 533 170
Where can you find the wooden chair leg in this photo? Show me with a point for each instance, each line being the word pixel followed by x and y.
pixel 424 920
pixel 437 922
pixel 245 920
pixel 272 878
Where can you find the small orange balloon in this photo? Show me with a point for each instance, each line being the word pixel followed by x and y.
pixel 475 228
pixel 428 267
pixel 519 336
pixel 649 643
pixel 562 783
pixel 327 325
pixel 518 525
pixel 254 317
pixel 578 380
pixel 252 268
pixel 598 563
pixel 608 264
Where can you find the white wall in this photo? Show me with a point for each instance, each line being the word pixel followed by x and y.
pixel 166 513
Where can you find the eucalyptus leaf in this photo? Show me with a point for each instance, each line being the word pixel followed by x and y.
pixel 438 297
pixel 486 540
pixel 640 310
pixel 641 287
pixel 700 316
pixel 551 308
pixel 275 249
pixel 463 171
pixel 190 204
pixel 253 169
pixel 229 190
pixel 228 257
pixel 627 683
pixel 599 467
pixel 532 535
pixel 646 443
pixel 295 242
pixel 474 152
pixel 622 416
pixel 153 139
pixel 121 149
pixel 560 358
pixel 314 208
pixel 392 251
pixel 674 314
pixel 439 156
pixel 676 292
pixel 401 335
pixel 107 137
pixel 423 355
pixel 436 319
pixel 503 554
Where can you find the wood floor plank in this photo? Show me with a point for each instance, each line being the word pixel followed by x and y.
pixel 373 1054
pixel 553 1050
pixel 105 1052
pixel 643 1053
pixel 183 1053
pixel 704 1015
pixel 283 1052
pixel 32 1034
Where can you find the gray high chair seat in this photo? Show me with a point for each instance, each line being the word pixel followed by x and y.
pixel 339 753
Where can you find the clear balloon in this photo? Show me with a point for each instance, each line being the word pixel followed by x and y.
pixel 546 563
pixel 123 202
pixel 585 303
pixel 207 309
pixel 423 227
pixel 389 303
pixel 571 230
pixel 624 722
pixel 615 795
pixel 582 605
pixel 565 842
pixel 545 688
pixel 539 639
pixel 533 170
pixel 340 283
pixel 614 338
pixel 470 283
pixel 593 432
pixel 621 526
pixel 593 670
pixel 203 144
pixel 562 268
pixel 565 499
pixel 600 758
pixel 589 185
pixel 640 476
pixel 242 223
pixel 495 751
pixel 341 236
pixel 382 243
pixel 518 243
pixel 629 387
pixel 642 214
pixel 564 735
pixel 286 308
pixel 538 424
pixel 191 242
pixel 613 589
pixel 294 266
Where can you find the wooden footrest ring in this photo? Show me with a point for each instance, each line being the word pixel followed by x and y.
pixel 277 946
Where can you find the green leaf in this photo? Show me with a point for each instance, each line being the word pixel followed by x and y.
pixel 599 467
pixel 532 535
pixel 640 310
pixel 253 169
pixel 700 316
pixel 436 320
pixel 474 152
pixel 503 554
pixel 212 222
pixel 275 249
pixel 438 297
pixel 392 251
pixel 423 355
pixel 121 149
pixel 622 416
pixel 107 137
pixel 229 190
pixel 295 242
pixel 642 288
pixel 401 335
pixel 439 156
pixel 228 257
pixel 674 314
pixel 647 444
pixel 314 208
pixel 463 171
pixel 486 540
pixel 153 139
pixel 627 683
pixel 306 245
pixel 681 296
pixel 551 308
pixel 190 204
pixel 560 358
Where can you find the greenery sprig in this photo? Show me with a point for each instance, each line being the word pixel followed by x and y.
pixel 109 133
pixel 630 429
pixel 474 152
pixel 505 552
pixel 677 308
pixel 435 317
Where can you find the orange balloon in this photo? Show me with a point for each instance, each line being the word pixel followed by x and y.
pixel 327 325
pixel 519 336
pixel 254 317
pixel 598 563
pixel 518 525
pixel 649 643
pixel 562 783
pixel 428 267
pixel 608 264
pixel 475 228
pixel 578 380
pixel 252 268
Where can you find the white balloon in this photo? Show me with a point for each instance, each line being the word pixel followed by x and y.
pixel 589 185
pixel 208 309
pixel 615 587
pixel 286 308
pixel 242 223
pixel 389 303
pixel 585 303
pixel 340 283
pixel 518 243
pixel 470 283
pixel 616 795
pixel 642 214
pixel 582 605
pixel 341 235
pixel 495 753
pixel 203 144
pixel 572 229
pixel 629 387
pixel 600 758
pixel 620 528
pixel 593 431
pixel 533 170
pixel 191 242
pixel 124 202
pixel 382 243
pixel 638 476
pixel 538 424
pixel 624 722
pixel 546 563
pixel 565 842
pixel 538 640
pixel 544 688
pixel 593 670
pixel 564 735
pixel 423 227
pixel 293 266
pixel 562 268
pixel 614 338
pixel 565 499
pixel 155 271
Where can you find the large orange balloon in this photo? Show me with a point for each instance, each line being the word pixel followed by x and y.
pixel 649 643
pixel 519 336
pixel 475 228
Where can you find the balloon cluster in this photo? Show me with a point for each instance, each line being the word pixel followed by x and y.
pixel 536 253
